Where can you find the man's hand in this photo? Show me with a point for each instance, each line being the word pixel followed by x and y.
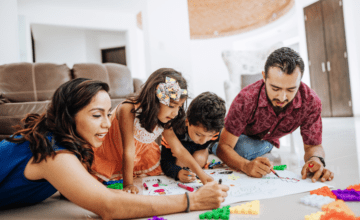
pixel 258 167
pixel 186 176
pixel 314 166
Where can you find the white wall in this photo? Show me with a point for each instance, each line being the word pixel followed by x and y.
pixel 56 44
pixel 9 39
pixel 352 20
pixel 94 19
pixel 167 36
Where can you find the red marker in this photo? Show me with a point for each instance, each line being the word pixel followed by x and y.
pixel 146 187
pixel 186 187
pixel 275 173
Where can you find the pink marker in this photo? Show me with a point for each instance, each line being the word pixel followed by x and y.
pixel 186 187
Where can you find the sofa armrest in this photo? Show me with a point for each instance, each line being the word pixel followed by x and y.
pixel 137 84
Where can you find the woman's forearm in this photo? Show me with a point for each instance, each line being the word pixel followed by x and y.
pixel 125 205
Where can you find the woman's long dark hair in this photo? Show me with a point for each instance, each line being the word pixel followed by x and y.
pixel 150 105
pixel 58 119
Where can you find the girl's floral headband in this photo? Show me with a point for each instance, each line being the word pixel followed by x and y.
pixel 169 89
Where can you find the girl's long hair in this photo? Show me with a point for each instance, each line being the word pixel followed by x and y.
pixel 149 103
pixel 58 119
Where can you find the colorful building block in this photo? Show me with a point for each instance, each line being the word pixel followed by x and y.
pixel 355 187
pixel 156 218
pixel 220 213
pixel 252 208
pixel 115 186
pixel 347 195
pixel 334 215
pixel 338 206
pixel 280 167
pixel 314 216
pixel 113 182
pixel 325 191
pixel 316 200
pixel 233 177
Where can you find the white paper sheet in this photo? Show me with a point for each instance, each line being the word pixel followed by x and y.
pixel 242 187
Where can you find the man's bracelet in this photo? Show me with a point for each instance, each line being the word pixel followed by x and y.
pixel 320 158
pixel 188 202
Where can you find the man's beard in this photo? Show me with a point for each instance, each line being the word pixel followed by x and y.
pixel 277 109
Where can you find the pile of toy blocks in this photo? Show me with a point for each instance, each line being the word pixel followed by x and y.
pixel 252 208
pixel 156 218
pixel 332 203
pixel 280 167
pixel 114 184
pixel 220 213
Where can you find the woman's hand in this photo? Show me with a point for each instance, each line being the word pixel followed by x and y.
pixel 209 196
pixel 131 189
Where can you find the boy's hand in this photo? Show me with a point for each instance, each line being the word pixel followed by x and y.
pixel 205 178
pixel 131 189
pixel 186 176
pixel 258 167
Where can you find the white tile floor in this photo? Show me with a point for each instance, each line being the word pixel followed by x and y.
pixel 341 140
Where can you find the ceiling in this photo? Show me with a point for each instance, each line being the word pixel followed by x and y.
pixel 217 18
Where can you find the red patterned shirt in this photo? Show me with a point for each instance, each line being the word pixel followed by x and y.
pixel 251 113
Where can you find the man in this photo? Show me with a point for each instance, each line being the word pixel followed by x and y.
pixel 269 109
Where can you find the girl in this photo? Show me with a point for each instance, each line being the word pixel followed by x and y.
pixel 54 150
pixel 130 149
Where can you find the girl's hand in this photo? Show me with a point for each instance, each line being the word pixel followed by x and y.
pixel 209 196
pixel 131 189
pixel 205 178
pixel 186 176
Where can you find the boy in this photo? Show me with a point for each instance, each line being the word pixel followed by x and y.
pixel 204 120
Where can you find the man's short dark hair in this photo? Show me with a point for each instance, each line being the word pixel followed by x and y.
pixel 207 110
pixel 286 59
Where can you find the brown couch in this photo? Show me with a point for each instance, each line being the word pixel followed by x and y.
pixel 28 87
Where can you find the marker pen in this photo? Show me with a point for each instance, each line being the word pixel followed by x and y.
pixel 186 187
pixel 146 187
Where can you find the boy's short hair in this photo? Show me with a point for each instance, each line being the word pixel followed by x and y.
pixel 207 110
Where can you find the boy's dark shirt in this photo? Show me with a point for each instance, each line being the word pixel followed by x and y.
pixel 168 161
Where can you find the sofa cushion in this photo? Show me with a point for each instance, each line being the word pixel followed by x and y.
pixel 25 82
pixel 12 113
pixel 116 75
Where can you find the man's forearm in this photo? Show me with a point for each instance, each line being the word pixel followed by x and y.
pixel 316 150
pixel 230 157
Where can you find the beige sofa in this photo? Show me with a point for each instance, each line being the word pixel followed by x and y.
pixel 28 87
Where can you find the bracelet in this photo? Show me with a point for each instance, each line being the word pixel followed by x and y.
pixel 320 158
pixel 188 202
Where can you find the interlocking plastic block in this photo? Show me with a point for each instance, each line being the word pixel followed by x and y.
pixel 314 216
pixel 347 195
pixel 334 215
pixel 156 218
pixel 325 191
pixel 316 200
pixel 280 167
pixel 356 187
pixel 113 182
pixel 338 206
pixel 233 177
pixel 220 213
pixel 116 186
pixel 252 208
